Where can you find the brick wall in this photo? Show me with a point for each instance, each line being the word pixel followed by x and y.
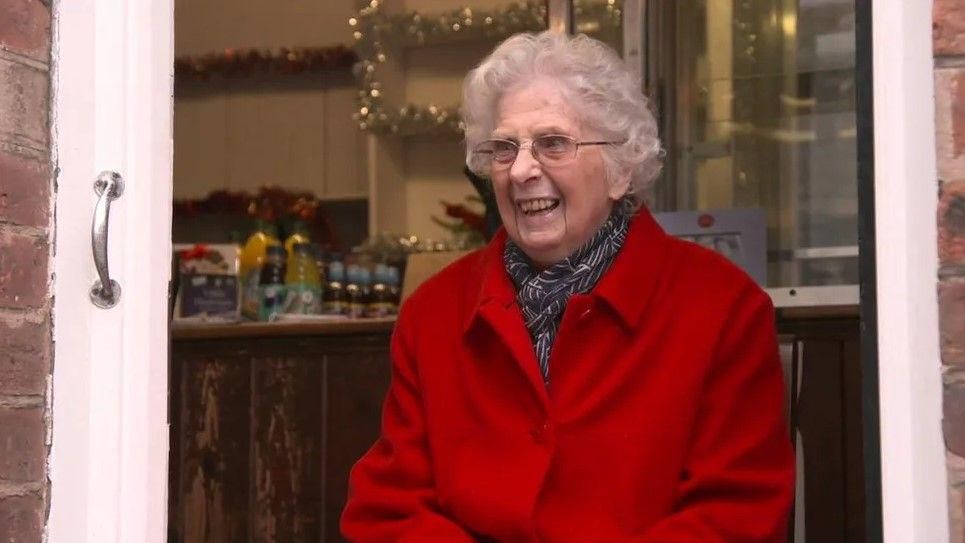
pixel 949 43
pixel 25 218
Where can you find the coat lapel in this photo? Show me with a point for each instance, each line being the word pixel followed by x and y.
pixel 496 311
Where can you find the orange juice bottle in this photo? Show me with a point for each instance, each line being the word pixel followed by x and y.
pixel 249 265
pixel 299 235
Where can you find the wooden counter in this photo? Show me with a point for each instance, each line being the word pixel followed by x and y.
pixel 267 420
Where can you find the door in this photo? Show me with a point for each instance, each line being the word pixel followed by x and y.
pixel 112 111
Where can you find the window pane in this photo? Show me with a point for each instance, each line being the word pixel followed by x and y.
pixel 759 111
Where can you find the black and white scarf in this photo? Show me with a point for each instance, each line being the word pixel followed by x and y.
pixel 542 295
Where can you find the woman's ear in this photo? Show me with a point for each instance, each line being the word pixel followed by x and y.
pixel 619 187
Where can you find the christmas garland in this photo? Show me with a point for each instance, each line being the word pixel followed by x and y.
pixel 283 61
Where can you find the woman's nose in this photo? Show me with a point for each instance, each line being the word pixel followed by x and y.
pixel 525 167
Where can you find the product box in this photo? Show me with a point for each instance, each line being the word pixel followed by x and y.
pixel 207 278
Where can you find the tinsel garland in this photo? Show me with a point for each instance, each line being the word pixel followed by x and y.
pixel 284 61
pixel 374 31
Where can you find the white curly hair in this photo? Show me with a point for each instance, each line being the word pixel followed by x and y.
pixel 598 87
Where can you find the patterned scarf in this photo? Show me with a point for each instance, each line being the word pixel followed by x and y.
pixel 542 295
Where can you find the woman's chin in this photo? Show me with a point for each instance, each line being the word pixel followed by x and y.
pixel 542 247
pixel 541 236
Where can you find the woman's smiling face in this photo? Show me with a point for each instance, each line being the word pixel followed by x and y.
pixel 549 212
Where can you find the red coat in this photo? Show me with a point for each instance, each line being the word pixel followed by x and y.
pixel 663 423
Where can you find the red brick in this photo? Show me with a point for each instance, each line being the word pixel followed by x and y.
pixel 951 224
pixel 23 103
pixel 951 321
pixel 953 421
pixel 22 518
pixel 24 357
pixel 958 528
pixel 950 123
pixel 948 32
pixel 24 190
pixel 956 506
pixel 956 496
pixel 958 113
pixel 25 28
pixel 23 454
pixel 23 271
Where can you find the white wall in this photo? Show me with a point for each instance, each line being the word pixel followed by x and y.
pixel 244 132
pixel 292 131
pixel 203 26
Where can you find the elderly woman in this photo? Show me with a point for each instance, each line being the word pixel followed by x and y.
pixel 585 377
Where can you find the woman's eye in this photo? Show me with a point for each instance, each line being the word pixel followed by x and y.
pixel 553 143
pixel 503 149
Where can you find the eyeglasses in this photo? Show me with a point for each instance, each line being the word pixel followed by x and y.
pixel 549 150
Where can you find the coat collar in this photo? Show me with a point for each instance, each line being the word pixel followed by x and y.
pixel 626 287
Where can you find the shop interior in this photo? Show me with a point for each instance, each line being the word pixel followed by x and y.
pixel 319 178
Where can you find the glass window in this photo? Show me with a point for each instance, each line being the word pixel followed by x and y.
pixel 758 111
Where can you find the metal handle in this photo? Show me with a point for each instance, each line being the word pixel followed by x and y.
pixel 106 292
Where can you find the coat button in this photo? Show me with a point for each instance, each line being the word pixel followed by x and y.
pixel 541 433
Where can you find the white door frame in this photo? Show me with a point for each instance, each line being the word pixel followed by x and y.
pixel 112 110
pixel 913 479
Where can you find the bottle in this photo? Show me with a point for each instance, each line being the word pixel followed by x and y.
pixel 321 262
pixel 271 284
pixel 394 286
pixel 303 286
pixel 299 235
pixel 365 288
pixel 334 297
pixel 250 259
pixel 354 294
pixel 381 303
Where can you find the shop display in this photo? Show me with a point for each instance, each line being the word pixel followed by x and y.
pixel 262 281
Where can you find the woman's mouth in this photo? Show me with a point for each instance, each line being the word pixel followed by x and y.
pixel 537 206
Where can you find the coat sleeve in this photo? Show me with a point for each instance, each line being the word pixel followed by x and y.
pixel 391 489
pixel 739 478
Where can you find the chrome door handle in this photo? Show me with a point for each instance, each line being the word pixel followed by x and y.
pixel 106 292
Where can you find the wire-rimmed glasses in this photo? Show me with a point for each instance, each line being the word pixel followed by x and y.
pixel 549 150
